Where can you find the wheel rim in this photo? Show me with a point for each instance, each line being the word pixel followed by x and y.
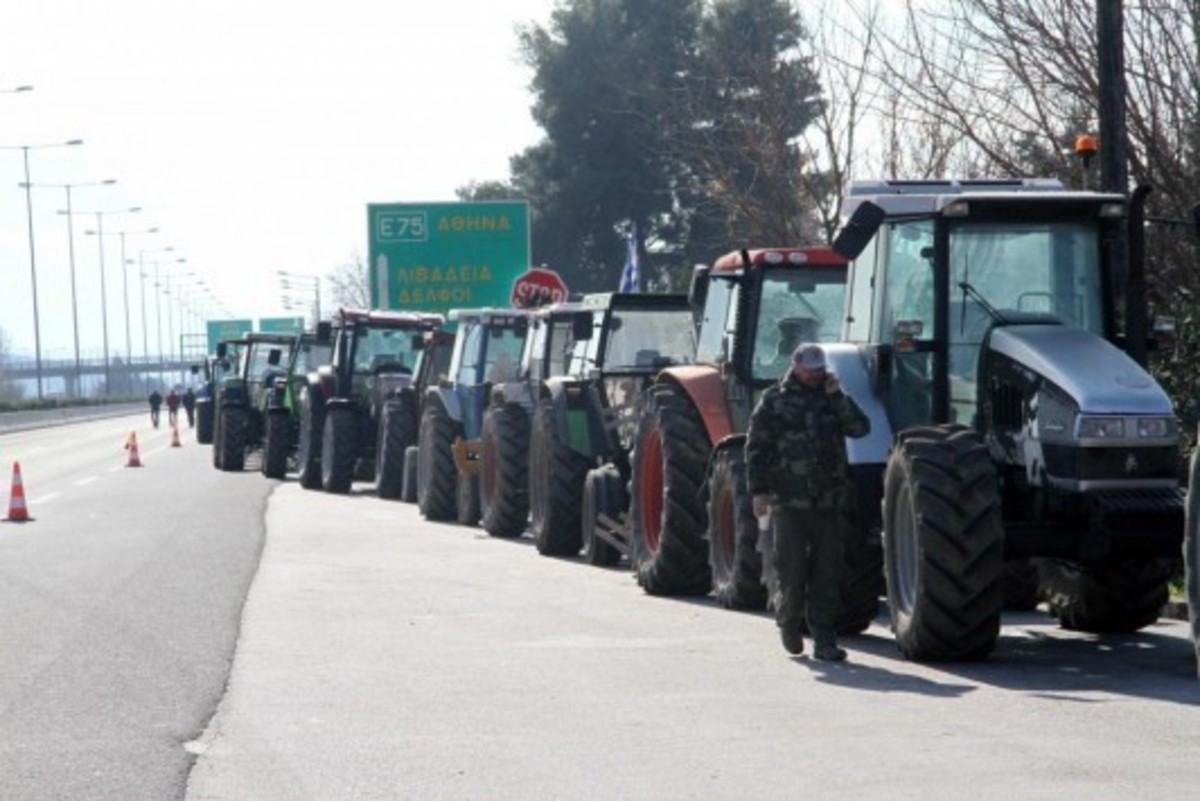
pixel 726 527
pixel 904 543
pixel 652 490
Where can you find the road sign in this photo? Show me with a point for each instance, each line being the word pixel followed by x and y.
pixel 226 329
pixel 281 325
pixel 537 287
pixel 438 256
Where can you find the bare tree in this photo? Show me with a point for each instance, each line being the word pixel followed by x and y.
pixel 350 283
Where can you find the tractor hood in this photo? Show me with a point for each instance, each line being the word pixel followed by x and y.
pixel 1098 376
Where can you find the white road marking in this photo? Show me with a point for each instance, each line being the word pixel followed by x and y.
pixel 49 496
pixel 83 482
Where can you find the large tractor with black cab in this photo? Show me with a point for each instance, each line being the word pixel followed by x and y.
pixel 487 351
pixel 215 368
pixel 691 521
pixel 356 416
pixel 995 335
pixel 242 399
pixel 282 434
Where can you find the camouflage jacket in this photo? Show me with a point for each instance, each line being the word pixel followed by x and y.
pixel 796 446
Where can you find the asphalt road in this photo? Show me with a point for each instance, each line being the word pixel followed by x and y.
pixel 119 608
pixel 385 657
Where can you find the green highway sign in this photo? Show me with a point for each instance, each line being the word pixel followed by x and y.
pixel 438 256
pixel 281 325
pixel 226 329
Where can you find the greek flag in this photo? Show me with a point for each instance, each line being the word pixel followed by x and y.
pixel 631 279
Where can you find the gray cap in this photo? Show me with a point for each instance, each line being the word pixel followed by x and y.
pixel 810 357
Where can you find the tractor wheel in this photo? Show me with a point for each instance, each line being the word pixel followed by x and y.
pixel 216 443
pixel 1109 596
pixel 733 535
pixel 504 470
pixel 276 445
pixel 466 499
pixel 232 444
pixel 556 476
pixel 603 493
pixel 204 422
pixel 1191 551
pixel 339 450
pixel 862 577
pixel 408 487
pixel 397 431
pixel 437 477
pixel 308 448
pixel 669 460
pixel 1021 585
pixel 944 544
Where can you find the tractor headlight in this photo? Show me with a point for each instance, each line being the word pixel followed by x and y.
pixel 1101 428
pixel 1155 427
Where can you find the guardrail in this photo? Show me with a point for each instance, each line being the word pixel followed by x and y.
pixel 45 418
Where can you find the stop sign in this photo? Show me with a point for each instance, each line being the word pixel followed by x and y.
pixel 537 286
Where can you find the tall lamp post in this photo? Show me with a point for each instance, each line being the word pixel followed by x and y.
pixel 125 283
pixel 71 260
pixel 303 282
pixel 100 215
pixel 158 317
pixel 37 325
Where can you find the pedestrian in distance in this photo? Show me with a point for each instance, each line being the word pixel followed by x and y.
pixel 189 406
pixel 798 475
pixel 155 404
pixel 173 407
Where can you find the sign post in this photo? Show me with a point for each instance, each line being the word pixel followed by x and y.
pixel 281 325
pixel 438 256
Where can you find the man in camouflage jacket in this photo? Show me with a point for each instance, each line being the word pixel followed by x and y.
pixel 798 473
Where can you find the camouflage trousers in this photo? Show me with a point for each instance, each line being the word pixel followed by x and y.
pixel 808 559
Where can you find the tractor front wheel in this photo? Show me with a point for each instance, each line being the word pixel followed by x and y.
pixel 1115 595
pixel 603 494
pixel 555 487
pixel 437 477
pixel 276 445
pixel 232 442
pixel 733 535
pixel 339 450
pixel 504 470
pixel 397 431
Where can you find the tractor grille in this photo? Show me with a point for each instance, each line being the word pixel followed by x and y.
pixel 1088 464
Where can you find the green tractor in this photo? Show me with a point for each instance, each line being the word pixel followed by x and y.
pixel 242 400
pixel 216 369
pixel 357 416
pixel 283 409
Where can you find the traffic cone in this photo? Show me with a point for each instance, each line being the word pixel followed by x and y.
pixel 17 511
pixel 175 443
pixel 132 446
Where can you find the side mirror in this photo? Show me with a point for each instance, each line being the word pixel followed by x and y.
pixel 324 332
pixel 856 234
pixel 274 357
pixel 418 342
pixel 581 326
pixel 698 289
pixel 222 350
pixel 195 369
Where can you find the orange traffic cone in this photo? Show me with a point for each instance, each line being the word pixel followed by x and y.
pixel 175 443
pixel 17 511
pixel 132 446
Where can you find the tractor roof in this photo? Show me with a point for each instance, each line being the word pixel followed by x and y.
pixel 898 198
pixel 634 300
pixel 280 339
pixel 376 318
pixel 778 257
pixel 489 313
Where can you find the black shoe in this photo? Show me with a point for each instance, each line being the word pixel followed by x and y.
pixel 830 653
pixel 793 640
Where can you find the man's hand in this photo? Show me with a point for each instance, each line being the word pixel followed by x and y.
pixel 832 385
pixel 762 505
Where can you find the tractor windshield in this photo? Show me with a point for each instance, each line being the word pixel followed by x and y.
pixel 639 339
pixel 260 367
pixel 502 358
pixel 312 356
pixel 1002 272
pixel 388 349
pixel 796 305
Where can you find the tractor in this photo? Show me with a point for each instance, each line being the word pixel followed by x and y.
pixel 487 352
pixel 994 335
pixel 241 400
pixel 283 408
pixel 691 523
pixel 433 367
pixel 355 417
pixel 504 457
pixel 586 415
pixel 215 369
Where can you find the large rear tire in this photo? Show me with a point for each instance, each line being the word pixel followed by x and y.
pixel 232 444
pixel 1105 597
pixel 437 477
pixel 603 493
pixel 1191 551
pixel 308 447
pixel 204 421
pixel 669 460
pixel 408 491
pixel 504 470
pixel 276 445
pixel 339 450
pixel 556 476
pixel 397 431
pixel 943 544
pixel 733 535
